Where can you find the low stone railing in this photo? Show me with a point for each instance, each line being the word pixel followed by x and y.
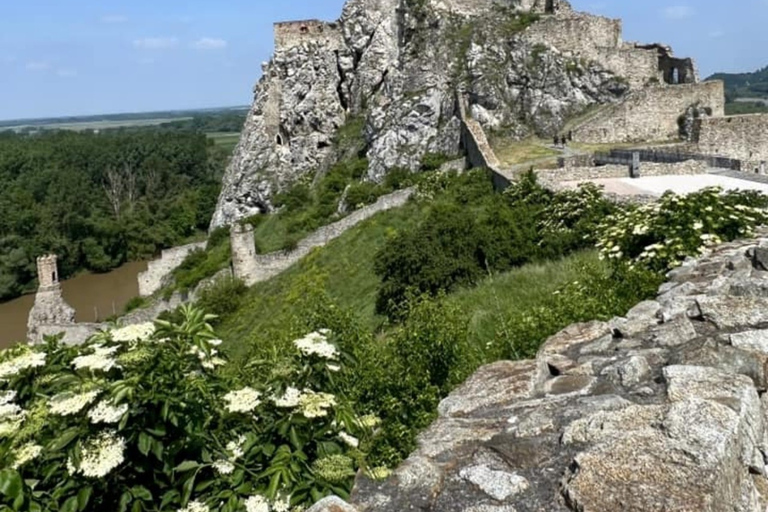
pixel 661 410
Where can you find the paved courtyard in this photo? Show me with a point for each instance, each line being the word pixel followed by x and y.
pixel 657 185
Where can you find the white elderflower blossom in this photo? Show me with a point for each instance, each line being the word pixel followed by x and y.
pixel 212 363
pixel 257 503
pixel 333 367
pixel 369 421
pixel 94 362
pixel 236 448
pixel 195 506
pixel 7 397
pixel 243 400
pixel 67 404
pixel 100 455
pixel 26 453
pixel 282 504
pixel 24 361
pixel 316 405
pixel 698 225
pixel 316 343
pixel 349 440
pixel 137 332
pixel 9 411
pixel 214 343
pixel 11 418
pixel 224 467
pixel 105 412
pixel 289 399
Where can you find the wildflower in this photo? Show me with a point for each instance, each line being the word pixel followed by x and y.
pixel 334 468
pixel 7 397
pixel 243 400
pixel 379 473
pixel 212 363
pixel 236 448
pixel 282 504
pixel 698 225
pixel 94 362
pixel 134 357
pixel 333 367
pixel 26 453
pixel 67 404
pixel 195 506
pixel 224 467
pixel 290 399
pixel 369 421
pixel 257 503
pixel 101 454
pixel 214 343
pixel 315 405
pixel 349 440
pixel 316 344
pixel 105 412
pixel 137 332
pixel 23 362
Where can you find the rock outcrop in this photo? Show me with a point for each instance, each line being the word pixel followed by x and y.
pixel 398 65
pixel 662 410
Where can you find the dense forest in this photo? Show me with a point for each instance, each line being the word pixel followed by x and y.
pixel 99 200
pixel 744 85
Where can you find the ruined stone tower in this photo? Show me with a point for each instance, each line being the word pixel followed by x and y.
pixel 49 309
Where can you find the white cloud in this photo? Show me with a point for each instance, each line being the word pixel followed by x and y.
pixel 156 43
pixel 678 12
pixel 114 18
pixel 38 66
pixel 66 72
pixel 209 43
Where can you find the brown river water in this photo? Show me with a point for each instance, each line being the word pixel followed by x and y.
pixel 94 297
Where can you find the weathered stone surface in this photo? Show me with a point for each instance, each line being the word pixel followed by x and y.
pixel 332 504
pixel 669 419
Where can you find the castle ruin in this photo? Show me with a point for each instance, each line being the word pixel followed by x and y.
pixel 50 308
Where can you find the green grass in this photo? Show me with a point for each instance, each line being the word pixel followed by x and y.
pixel 512 153
pixel 227 141
pixel 346 268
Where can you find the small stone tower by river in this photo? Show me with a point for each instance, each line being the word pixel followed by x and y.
pixel 50 307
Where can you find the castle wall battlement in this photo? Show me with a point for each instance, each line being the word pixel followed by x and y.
pixel 651 114
pixel 741 137
pixel 294 33
pixel 577 33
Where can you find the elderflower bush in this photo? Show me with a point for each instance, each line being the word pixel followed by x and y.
pixel 659 236
pixel 148 417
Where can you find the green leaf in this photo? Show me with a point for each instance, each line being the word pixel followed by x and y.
pixel 10 483
pixel 70 505
pixel 137 506
pixel 145 443
pixel 187 489
pixel 63 440
pixel 186 466
pixel 125 500
pixel 83 497
pixel 141 493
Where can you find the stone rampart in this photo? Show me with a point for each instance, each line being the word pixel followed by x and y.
pixel 254 268
pixel 651 114
pixel 638 66
pixel 741 137
pixel 153 279
pixel 570 174
pixel 293 33
pixel 663 409
pixel 478 150
pixel 580 34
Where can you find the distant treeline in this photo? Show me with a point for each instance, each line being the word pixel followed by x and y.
pixel 99 200
pixel 744 85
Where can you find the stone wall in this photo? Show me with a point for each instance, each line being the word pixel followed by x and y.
pixel 687 168
pixel 651 114
pixel 640 67
pixel 254 268
pixel 741 137
pixel 294 33
pixel 663 409
pixel 49 308
pixel 72 334
pixel 577 33
pixel 151 280
pixel 478 150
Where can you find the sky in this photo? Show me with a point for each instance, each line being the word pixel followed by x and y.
pixel 85 57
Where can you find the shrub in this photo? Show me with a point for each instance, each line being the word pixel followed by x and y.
pixel 134 304
pixel 661 235
pixel 363 193
pixel 433 161
pixel 222 298
pixel 145 418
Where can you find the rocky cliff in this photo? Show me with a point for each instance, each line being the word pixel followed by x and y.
pixel 663 410
pixel 397 65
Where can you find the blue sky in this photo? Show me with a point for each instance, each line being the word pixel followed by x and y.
pixel 78 57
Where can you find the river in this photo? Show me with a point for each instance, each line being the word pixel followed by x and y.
pixel 94 297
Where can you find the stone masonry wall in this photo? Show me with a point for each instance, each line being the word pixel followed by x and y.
pixel 661 410
pixel 254 268
pixel 578 33
pixel 741 137
pixel 294 33
pixel 479 152
pixel 637 65
pixel 555 176
pixel 650 114
pixel 158 270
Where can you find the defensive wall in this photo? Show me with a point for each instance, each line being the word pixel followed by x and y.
pixel 662 409
pixel 254 268
pixel 687 168
pixel 294 33
pixel 158 270
pixel 743 137
pixel 477 148
pixel 651 114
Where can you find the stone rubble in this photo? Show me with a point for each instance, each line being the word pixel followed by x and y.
pixel 661 410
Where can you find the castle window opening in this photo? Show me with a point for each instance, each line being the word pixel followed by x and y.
pixel 549 6
pixel 53 276
pixel 675 76
pixel 304 29
pixel 279 139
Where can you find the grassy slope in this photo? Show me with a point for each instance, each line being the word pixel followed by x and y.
pixel 345 266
